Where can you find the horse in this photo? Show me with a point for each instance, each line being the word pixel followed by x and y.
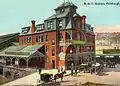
pixel 59 75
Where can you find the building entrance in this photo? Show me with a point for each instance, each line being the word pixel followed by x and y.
pixel 53 63
pixel 1 70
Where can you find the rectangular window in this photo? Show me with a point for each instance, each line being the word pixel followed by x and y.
pixel 25 30
pixel 41 38
pixel 40 28
pixel 46 49
pixel 51 25
pixel 53 52
pixel 28 39
pixel 48 25
pixel 38 39
pixel 60 23
pixel 46 37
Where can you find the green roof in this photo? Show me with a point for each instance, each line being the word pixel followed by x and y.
pixel 21 51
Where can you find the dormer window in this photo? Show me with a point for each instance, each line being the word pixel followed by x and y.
pixel 62 10
pixel 50 25
pixel 60 23
pixel 40 28
pixel 25 30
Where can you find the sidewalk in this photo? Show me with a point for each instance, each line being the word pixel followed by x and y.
pixel 32 78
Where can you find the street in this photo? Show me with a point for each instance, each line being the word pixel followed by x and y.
pixel 110 76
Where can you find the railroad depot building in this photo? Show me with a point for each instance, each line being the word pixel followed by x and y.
pixel 61 39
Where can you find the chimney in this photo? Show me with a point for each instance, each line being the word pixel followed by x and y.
pixel 33 26
pixel 83 19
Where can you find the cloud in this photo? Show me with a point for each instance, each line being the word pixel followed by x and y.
pixel 107 28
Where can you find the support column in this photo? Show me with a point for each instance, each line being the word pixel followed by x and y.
pixel 17 62
pixel 11 61
pixel 4 60
pixel 27 63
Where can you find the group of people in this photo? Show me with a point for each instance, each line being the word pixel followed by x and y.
pixel 110 64
pixel 86 68
pixel 74 68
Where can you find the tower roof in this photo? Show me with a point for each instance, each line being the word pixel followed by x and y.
pixel 66 4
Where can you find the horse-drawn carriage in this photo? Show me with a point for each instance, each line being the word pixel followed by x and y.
pixel 46 77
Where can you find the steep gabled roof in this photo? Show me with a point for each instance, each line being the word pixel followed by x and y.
pixel 66 4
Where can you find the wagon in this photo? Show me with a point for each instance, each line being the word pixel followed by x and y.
pixel 45 78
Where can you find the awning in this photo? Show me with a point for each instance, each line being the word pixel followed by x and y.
pixel 78 42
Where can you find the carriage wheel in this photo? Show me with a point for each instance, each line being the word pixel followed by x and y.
pixel 38 81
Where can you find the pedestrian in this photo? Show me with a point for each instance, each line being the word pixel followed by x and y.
pixel 40 71
pixel 61 69
pixel 76 70
pixel 72 67
pixel 58 70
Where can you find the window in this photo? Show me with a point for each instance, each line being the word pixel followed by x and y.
pixel 53 42
pixel 46 37
pixel 25 30
pixel 50 25
pixel 40 28
pixel 53 52
pixel 60 23
pixel 39 38
pixel 46 48
pixel 28 39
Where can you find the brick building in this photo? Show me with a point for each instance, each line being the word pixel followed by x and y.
pixel 63 38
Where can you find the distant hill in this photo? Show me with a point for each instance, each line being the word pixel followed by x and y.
pixel 107 41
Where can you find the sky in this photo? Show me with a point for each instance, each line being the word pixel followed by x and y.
pixel 15 14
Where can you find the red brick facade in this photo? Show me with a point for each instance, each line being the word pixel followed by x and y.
pixel 65 43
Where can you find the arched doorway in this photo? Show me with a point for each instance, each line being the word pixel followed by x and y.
pixel 69 58
pixel 7 74
pixel 13 61
pixel 8 61
pixel 22 63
